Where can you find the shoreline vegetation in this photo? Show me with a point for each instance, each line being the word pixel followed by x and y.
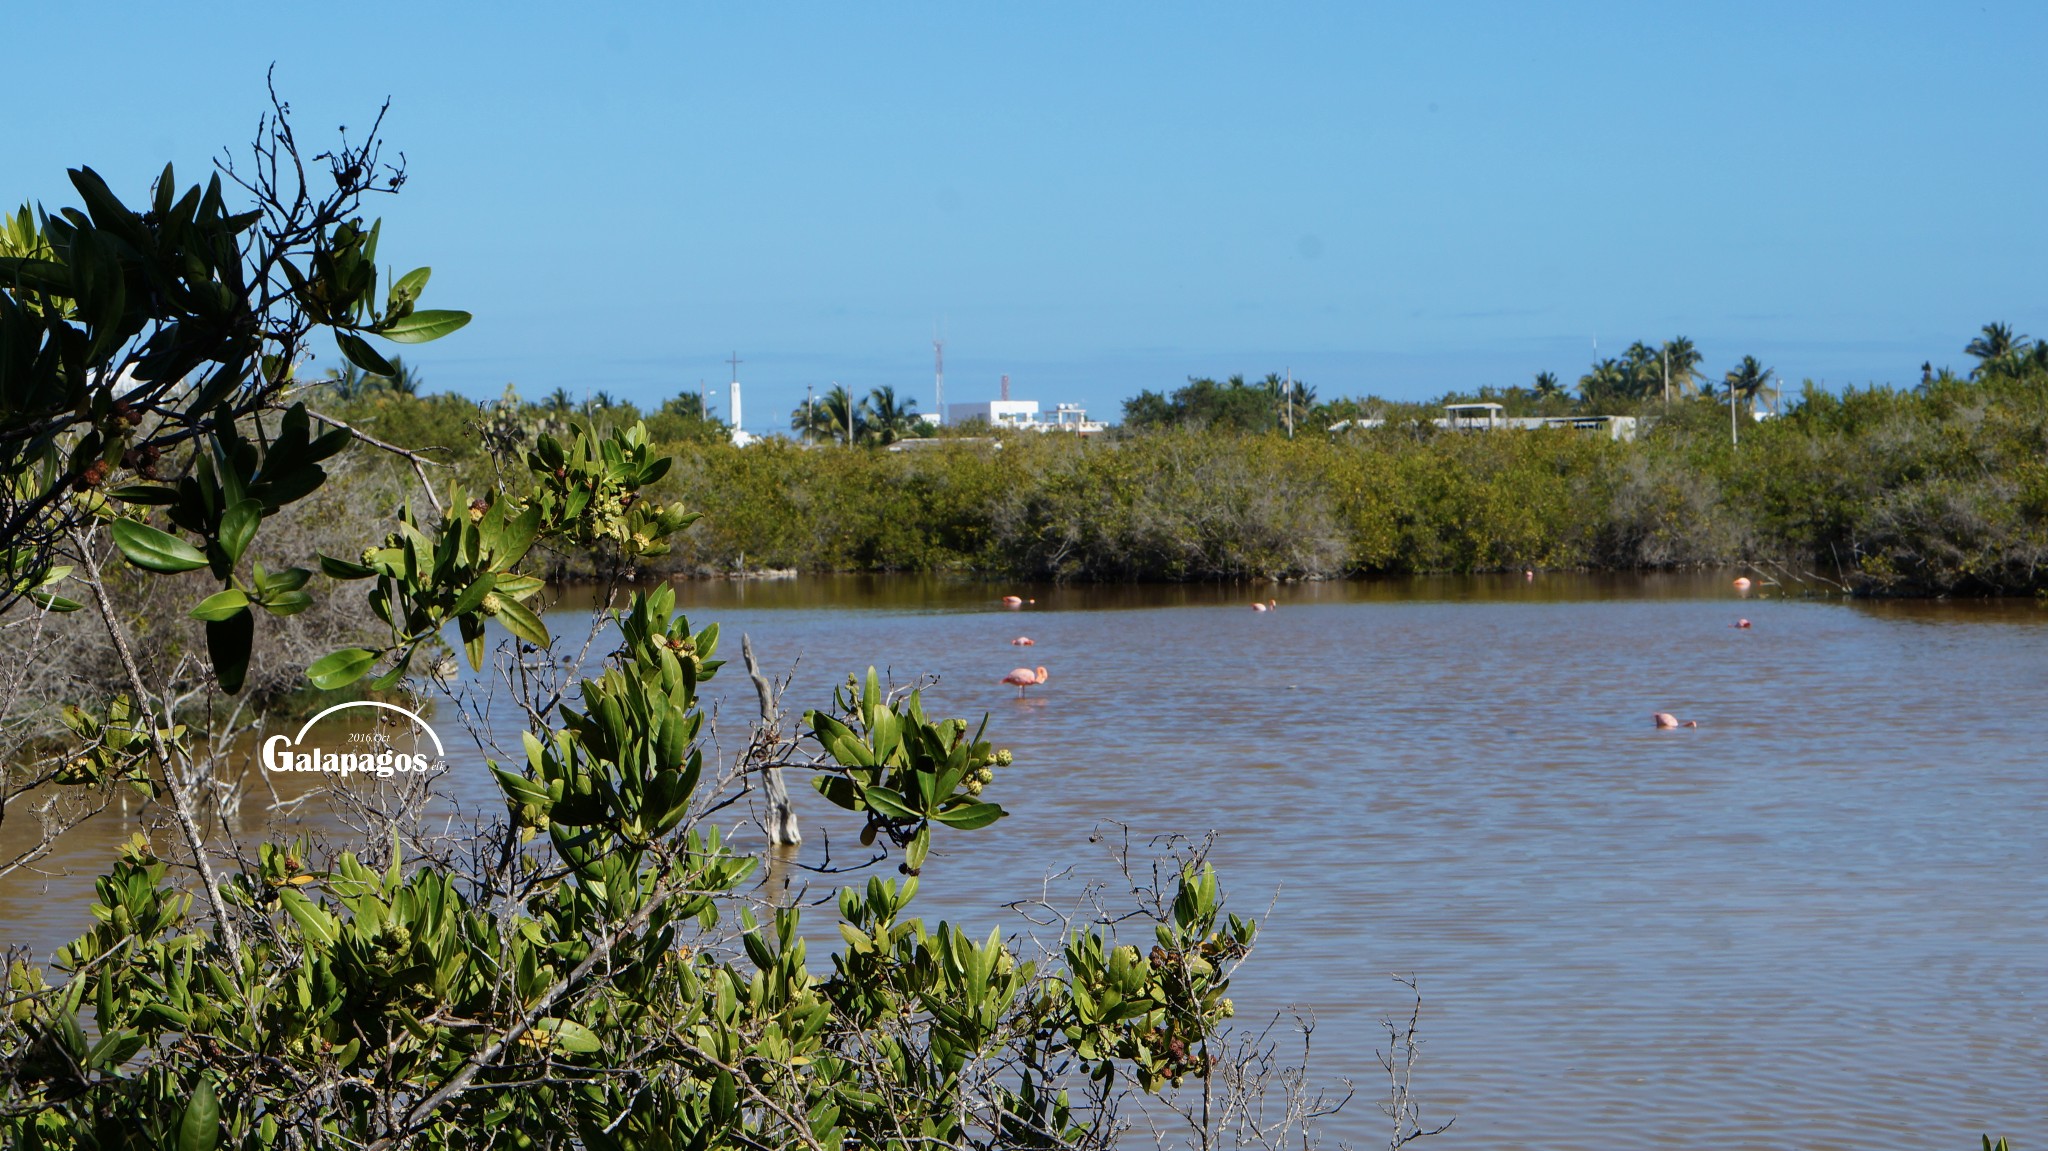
pixel 1934 490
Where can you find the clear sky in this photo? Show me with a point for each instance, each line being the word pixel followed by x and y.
pixel 1098 199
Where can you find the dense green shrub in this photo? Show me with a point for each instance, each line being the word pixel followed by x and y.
pixel 1933 490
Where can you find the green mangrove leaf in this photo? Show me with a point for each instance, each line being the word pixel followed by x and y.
pixel 341 668
pixel 422 326
pixel 154 550
pixel 344 569
pixel 520 621
pixel 220 605
pixel 199 1130
pixel 359 352
pixel 238 526
pixel 970 816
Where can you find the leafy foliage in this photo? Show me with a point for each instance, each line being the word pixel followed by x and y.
pixel 1231 405
pixel 834 417
pixel 586 970
pixel 1998 350
pixel 1745 381
pixel 684 419
pixel 131 339
pixel 888 418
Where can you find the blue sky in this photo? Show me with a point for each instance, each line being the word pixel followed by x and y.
pixel 1097 199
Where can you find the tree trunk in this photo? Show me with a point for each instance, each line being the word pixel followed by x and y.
pixel 780 823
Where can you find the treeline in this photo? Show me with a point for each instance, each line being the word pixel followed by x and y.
pixel 1938 489
pixel 1643 380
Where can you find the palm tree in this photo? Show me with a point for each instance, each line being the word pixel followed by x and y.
pixel 1608 380
pixel 352 383
pixel 889 419
pixel 349 383
pixel 1292 399
pixel 686 405
pixel 1684 359
pixel 1998 350
pixel 404 379
pixel 1546 385
pixel 2037 359
pixel 1645 371
pixel 1745 380
pixel 559 402
pixel 832 416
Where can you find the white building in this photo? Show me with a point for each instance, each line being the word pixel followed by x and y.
pixel 1023 415
pixel 996 413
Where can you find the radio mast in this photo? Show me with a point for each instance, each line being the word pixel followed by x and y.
pixel 939 380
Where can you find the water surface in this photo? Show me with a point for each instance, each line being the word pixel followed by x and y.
pixel 1815 921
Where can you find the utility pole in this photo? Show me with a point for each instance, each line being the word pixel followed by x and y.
pixel 1667 377
pixel 939 379
pixel 1290 403
pixel 810 427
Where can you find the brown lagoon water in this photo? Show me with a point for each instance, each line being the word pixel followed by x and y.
pixel 1817 921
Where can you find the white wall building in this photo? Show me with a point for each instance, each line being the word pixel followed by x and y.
pixel 997 413
pixel 1023 415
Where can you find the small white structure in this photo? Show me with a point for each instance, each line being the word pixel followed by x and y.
pixel 1073 418
pixel 1474 417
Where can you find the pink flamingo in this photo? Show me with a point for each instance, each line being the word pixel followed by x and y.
pixel 1023 678
pixel 1013 601
pixel 1022 641
pixel 1743 623
pixel 1666 719
pixel 1528 573
pixel 1269 605
pixel 1742 583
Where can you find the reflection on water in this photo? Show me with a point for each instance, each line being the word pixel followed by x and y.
pixel 1815 921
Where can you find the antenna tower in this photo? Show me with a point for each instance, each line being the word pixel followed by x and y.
pixel 939 379
pixel 1006 389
